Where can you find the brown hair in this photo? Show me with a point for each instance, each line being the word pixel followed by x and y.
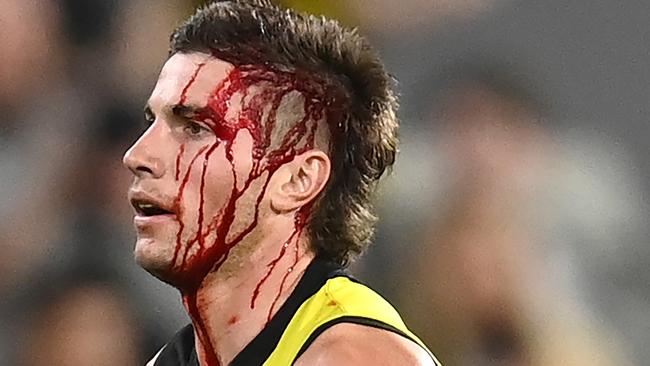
pixel 257 32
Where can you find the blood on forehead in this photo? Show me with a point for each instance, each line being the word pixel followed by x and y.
pixel 276 107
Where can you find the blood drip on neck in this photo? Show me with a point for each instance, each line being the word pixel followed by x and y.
pixel 299 224
pixel 300 221
pixel 196 257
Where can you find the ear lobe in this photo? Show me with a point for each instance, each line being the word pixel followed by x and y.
pixel 307 177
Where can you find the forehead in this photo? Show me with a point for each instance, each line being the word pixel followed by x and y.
pixel 191 75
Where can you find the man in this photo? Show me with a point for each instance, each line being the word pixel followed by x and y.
pixel 268 131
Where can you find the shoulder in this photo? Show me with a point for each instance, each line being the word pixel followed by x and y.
pixel 355 344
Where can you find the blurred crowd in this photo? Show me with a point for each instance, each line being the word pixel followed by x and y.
pixel 513 229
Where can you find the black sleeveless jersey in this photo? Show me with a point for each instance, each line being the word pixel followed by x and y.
pixel 324 296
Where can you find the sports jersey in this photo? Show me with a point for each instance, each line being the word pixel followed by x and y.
pixel 325 296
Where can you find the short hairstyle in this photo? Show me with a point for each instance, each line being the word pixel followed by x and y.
pixel 257 32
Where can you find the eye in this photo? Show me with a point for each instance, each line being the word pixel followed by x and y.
pixel 194 128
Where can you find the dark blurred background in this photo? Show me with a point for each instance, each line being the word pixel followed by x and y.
pixel 513 230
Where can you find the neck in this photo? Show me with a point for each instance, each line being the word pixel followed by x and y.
pixel 234 303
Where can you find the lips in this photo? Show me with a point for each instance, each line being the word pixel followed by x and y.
pixel 148 206
pixel 149 209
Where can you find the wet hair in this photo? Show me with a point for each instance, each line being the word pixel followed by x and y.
pixel 257 32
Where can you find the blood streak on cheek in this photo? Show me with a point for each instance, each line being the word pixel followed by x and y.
pixel 181 151
pixel 179 208
pixel 267 157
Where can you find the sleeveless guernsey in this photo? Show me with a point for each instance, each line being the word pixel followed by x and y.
pixel 325 296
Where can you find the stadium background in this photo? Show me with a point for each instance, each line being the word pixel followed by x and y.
pixel 513 230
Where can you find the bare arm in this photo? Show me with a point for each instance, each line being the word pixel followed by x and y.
pixel 354 344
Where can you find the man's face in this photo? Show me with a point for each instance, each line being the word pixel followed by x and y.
pixel 182 175
pixel 203 165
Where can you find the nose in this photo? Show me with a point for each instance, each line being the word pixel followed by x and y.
pixel 142 159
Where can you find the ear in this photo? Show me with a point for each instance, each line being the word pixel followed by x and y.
pixel 300 181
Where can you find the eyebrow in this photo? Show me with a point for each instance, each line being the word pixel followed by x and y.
pixel 178 110
pixel 185 111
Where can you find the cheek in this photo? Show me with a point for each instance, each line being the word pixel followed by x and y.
pixel 204 183
pixel 229 170
pixel 243 162
pixel 217 186
pixel 230 192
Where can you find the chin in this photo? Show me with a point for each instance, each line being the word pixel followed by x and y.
pixel 156 258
